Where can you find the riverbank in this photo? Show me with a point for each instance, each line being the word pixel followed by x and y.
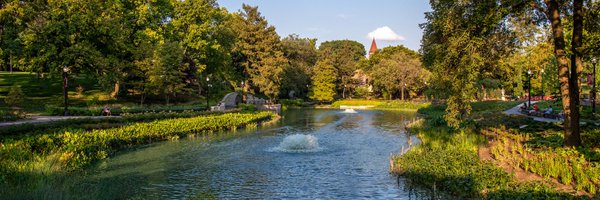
pixel 495 156
pixel 27 159
pixel 379 104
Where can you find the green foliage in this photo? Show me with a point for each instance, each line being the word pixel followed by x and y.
pixel 97 110
pixel 456 49
pixel 258 52
pixel 361 92
pixel 302 56
pixel 247 107
pixel 11 115
pixel 381 105
pixel 324 81
pixel 15 96
pixel 166 71
pixel 449 159
pixel 397 70
pixel 291 103
pixel 344 56
pixel 567 165
pixel 70 149
pixel 99 123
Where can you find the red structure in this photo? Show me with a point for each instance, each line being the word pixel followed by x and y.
pixel 373 48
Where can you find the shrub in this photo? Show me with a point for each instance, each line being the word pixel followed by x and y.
pixel 361 92
pixel 247 107
pixel 15 96
pixel 76 148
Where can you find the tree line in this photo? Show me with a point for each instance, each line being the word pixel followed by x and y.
pixel 469 43
pixel 165 48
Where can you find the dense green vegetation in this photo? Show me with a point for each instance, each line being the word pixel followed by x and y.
pixel 382 105
pixel 455 160
pixel 26 158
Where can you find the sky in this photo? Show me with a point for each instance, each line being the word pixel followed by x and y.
pixel 391 22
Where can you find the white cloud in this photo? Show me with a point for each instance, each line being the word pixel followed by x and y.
pixel 385 33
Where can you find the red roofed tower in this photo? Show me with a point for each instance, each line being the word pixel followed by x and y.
pixel 373 49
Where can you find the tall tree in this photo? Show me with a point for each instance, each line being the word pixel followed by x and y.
pixel 345 56
pixel 462 41
pixel 568 76
pixel 207 41
pixel 302 56
pixel 64 37
pixel 165 74
pixel 396 69
pixel 258 52
pixel 324 81
pixel 12 21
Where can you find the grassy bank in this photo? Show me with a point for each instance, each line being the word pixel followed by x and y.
pixel 26 160
pixel 382 104
pixel 496 157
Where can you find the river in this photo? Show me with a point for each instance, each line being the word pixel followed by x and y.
pixel 327 154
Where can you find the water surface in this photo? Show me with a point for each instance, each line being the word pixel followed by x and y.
pixel 351 162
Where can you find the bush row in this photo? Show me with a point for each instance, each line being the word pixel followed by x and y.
pixel 11 115
pixel 89 123
pixel 97 111
pixel 73 149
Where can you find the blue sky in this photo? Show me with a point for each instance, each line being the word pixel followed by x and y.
pixel 344 19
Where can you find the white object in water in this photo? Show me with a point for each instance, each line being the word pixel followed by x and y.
pixel 350 110
pixel 298 143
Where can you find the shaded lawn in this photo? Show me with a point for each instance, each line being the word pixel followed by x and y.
pixel 48 90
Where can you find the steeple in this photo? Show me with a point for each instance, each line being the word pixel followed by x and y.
pixel 373 49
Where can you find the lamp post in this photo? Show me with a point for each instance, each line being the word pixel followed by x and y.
pixel 594 61
pixel 65 92
pixel 242 83
pixel 529 88
pixel 543 94
pixel 207 92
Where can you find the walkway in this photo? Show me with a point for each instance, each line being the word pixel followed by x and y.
pixel 515 111
pixel 46 119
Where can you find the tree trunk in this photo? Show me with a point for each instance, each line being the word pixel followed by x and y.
pixel 65 93
pixel 568 91
pixel 402 93
pixel 573 138
pixel 10 63
pixel 167 98
pixel 115 92
pixel 142 98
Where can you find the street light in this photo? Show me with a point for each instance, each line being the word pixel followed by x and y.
pixel 65 92
pixel 543 94
pixel 529 95
pixel 242 83
pixel 594 61
pixel 207 92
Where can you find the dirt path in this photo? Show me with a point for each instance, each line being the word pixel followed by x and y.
pixel 46 119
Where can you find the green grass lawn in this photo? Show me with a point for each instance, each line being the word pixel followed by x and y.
pixel 43 91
